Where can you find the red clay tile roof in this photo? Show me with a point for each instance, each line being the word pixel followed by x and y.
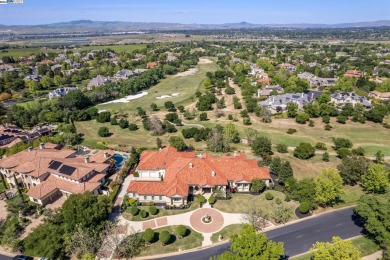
pixel 53 183
pixel 185 168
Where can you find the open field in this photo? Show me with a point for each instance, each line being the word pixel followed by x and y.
pixel 194 239
pixel 16 53
pixel 186 86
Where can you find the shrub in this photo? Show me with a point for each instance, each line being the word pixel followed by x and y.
pixel 203 116
pixel 266 119
pixel 202 199
pixel 134 211
pixel 342 143
pixel 103 117
pixel 326 119
pixel 281 148
pixel 136 174
pixel 103 131
pixel 143 214
pixel 212 199
pixel 113 121
pixel 341 119
pixel 311 123
pixel 133 202
pixel 327 127
pixel 230 117
pixel 302 118
pixel 304 207
pixel 344 152
pixel 325 157
pixel 181 231
pixel 164 237
pixel 148 235
pixel 246 121
pixel 123 123
pixel 133 127
pixel 358 151
pixel 291 131
pixel 320 146
pixel 304 151
pixel 153 210
pixel 257 185
pixel 287 198
pixel 278 201
pixel 269 196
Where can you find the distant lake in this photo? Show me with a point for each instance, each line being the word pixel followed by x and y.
pixel 66 39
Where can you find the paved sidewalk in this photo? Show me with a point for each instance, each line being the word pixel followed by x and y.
pixel 374 256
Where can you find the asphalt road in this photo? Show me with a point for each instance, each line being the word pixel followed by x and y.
pixel 298 237
pixel 3 257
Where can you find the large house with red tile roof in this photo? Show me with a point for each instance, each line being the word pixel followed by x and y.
pixel 169 177
pixel 50 173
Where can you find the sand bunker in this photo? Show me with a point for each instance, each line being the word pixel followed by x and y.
pixel 204 61
pixel 169 96
pixel 127 99
pixel 186 73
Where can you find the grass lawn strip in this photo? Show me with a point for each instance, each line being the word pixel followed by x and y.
pixel 193 240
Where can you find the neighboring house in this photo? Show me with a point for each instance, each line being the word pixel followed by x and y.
pixel 36 78
pixel 280 101
pixel 344 98
pixel 375 72
pixel 352 74
pixel 11 135
pixel 151 65
pixel 60 92
pixel 123 74
pixel 56 67
pixel 268 89
pixel 379 95
pixel 386 62
pixel 288 66
pixel 61 57
pixel 50 173
pixel 97 81
pixel 317 81
pixel 169 177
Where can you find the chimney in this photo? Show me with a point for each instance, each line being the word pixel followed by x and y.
pixel 312 95
pixel 235 153
pixel 199 155
pixel 190 165
pixel 105 154
pixel 302 95
pixel 213 173
pixel 42 146
pixel 86 159
pixel 30 149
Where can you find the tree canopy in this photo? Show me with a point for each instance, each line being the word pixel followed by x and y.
pixel 337 249
pixel 328 186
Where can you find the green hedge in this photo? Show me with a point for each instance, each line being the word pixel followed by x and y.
pixel 269 196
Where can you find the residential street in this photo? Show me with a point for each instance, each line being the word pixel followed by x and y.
pixel 297 237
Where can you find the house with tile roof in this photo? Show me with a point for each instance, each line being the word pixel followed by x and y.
pixel 49 173
pixel 169 177
pixel 11 135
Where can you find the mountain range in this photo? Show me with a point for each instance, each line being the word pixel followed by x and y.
pixel 83 26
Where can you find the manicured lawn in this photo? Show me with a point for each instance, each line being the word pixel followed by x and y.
pixel 351 195
pixel 227 232
pixel 186 87
pixel 365 245
pixel 193 240
pixel 241 203
pixel 161 213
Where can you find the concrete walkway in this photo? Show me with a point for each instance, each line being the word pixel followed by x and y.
pixel 374 256
pixel 192 219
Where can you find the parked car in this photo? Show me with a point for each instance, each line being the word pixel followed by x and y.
pixel 23 257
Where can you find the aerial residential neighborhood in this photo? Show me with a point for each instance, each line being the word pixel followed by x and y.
pixel 195 130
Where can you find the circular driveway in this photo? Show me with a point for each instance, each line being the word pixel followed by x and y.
pixel 215 225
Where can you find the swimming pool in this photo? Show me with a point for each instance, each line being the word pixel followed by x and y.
pixel 119 160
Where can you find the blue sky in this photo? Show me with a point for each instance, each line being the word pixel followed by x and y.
pixel 196 11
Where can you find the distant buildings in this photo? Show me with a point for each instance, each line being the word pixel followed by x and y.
pixel 98 81
pixel 59 92
pixel 11 135
pixel 288 66
pixel 151 65
pixel 317 81
pixel 352 74
pixel 379 95
pixel 268 90
pixel 36 78
pixel 279 102
pixel 123 74
pixel 343 98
